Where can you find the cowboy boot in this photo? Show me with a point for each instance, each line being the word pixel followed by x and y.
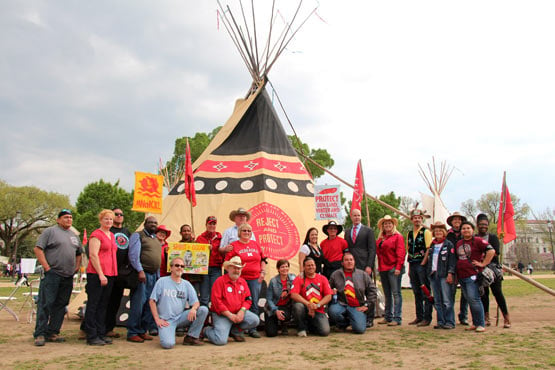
pixel 507 321
pixel 486 317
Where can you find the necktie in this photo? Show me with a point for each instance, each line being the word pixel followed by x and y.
pixel 354 233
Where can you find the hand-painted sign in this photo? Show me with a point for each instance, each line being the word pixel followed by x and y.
pixel 148 193
pixel 195 256
pixel 327 201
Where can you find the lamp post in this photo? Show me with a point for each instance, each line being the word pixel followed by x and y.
pixel 16 222
pixel 550 228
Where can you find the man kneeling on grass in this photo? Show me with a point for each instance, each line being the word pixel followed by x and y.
pixel 170 296
pixel 231 300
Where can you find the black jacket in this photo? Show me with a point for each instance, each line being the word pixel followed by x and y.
pixel 364 248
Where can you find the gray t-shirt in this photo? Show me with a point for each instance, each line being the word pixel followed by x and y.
pixel 60 247
pixel 171 298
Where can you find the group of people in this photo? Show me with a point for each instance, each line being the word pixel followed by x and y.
pixel 335 283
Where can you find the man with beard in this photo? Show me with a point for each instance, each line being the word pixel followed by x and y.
pixel 145 254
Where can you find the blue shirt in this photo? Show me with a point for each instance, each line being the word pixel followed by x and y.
pixel 231 235
pixel 135 250
pixel 172 298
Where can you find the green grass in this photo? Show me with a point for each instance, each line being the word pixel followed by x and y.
pixel 520 288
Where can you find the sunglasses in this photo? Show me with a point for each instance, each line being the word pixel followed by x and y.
pixel 118 214
pixel 246 231
pixel 179 266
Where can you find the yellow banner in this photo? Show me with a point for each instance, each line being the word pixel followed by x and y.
pixel 148 192
pixel 194 255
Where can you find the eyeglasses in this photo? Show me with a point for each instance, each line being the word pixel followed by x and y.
pixel 118 214
pixel 246 231
pixel 179 266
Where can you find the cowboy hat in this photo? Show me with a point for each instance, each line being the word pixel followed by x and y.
pixel 455 214
pixel 418 212
pixel 165 229
pixel 332 223
pixel 239 211
pixel 387 218
pixel 438 225
pixel 234 261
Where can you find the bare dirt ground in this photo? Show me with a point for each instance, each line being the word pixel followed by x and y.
pixel 529 343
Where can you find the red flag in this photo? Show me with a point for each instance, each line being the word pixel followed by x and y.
pixel 189 180
pixel 358 191
pixel 506 222
pixel 85 240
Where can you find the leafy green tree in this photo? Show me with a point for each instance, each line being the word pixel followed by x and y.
pixel 489 204
pixel 101 195
pixel 174 168
pixel 24 211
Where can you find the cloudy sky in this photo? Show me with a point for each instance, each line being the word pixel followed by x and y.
pixel 101 89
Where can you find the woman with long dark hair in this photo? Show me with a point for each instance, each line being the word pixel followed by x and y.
pixel 310 248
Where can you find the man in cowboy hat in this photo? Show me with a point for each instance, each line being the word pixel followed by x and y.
pixel 168 300
pixel 332 247
pixel 362 244
pixel 231 300
pixel 239 216
pixel 418 241
pixel 454 235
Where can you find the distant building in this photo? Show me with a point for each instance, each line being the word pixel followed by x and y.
pixel 532 245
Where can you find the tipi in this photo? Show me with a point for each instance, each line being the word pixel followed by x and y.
pixel 251 164
pixel 436 180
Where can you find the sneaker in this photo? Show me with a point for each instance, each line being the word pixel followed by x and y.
pixel 96 342
pixel 301 333
pixel 39 341
pixel 55 338
pixel 190 341
pixel 135 339
pixel 480 329
pixel 254 334
pixel 145 336
pixel 470 328
pixel 237 337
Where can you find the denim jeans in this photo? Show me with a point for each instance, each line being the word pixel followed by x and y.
pixel 254 287
pixel 318 324
pixel 347 315
pixel 391 285
pixel 167 333
pixel 418 277
pixel 54 295
pixel 470 288
pixel 443 300
pixel 207 283
pixel 219 332
pixel 140 318
pixel 97 302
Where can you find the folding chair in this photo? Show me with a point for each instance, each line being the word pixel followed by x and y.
pixel 31 298
pixel 5 300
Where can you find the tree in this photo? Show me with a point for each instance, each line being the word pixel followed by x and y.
pixel 489 204
pixel 25 210
pixel 173 169
pixel 101 195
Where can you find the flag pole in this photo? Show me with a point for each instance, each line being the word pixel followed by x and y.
pixel 501 221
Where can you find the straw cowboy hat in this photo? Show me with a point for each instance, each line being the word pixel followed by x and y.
pixel 332 223
pixel 387 218
pixel 455 214
pixel 438 225
pixel 419 212
pixel 239 211
pixel 234 261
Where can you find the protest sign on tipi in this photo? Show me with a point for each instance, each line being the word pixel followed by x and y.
pixel 251 164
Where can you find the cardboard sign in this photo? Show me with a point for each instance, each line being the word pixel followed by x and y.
pixel 148 193
pixel 194 255
pixel 328 202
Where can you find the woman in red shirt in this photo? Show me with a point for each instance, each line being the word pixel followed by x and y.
pixel 162 234
pixel 391 258
pixel 101 274
pixel 253 257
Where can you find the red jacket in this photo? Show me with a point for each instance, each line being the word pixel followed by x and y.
pixel 391 252
pixel 229 295
pixel 214 239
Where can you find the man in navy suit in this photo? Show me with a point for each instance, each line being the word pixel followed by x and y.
pixel 362 245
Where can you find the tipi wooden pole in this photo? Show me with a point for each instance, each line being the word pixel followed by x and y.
pixel 528 280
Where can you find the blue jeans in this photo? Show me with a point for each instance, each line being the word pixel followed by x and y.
pixel 443 300
pixel 347 315
pixel 219 332
pixel 254 287
pixel 54 295
pixel 167 333
pixel 140 318
pixel 318 324
pixel 470 290
pixel 207 283
pixel 391 285
pixel 418 277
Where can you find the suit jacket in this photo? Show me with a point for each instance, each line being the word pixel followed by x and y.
pixel 364 247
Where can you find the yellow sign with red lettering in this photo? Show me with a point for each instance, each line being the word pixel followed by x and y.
pixel 148 192
pixel 195 256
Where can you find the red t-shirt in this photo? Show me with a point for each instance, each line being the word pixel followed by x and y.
pixel 214 239
pixel 349 291
pixel 229 295
pixel 283 300
pixel 391 252
pixel 313 290
pixel 473 248
pixel 251 254
pixel 106 254
pixel 333 249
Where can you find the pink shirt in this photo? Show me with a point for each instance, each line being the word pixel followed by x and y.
pixel 106 254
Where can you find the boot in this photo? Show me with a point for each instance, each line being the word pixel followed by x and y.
pixel 506 321
pixel 486 317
